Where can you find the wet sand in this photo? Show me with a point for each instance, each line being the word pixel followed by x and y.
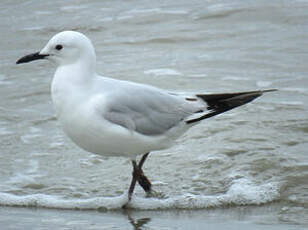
pixel 263 217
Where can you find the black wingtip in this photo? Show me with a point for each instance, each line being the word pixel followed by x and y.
pixel 268 90
pixel 220 103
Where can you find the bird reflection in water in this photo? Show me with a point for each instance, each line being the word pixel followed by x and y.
pixel 138 224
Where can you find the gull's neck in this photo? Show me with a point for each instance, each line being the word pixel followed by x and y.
pixel 76 73
pixel 72 82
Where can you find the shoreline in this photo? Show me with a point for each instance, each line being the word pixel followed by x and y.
pixel 249 217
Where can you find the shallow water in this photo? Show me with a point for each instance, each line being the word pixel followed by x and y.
pixel 249 218
pixel 253 155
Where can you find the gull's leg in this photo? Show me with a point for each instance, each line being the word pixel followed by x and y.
pixel 139 176
pixel 134 179
pixel 142 160
pixel 143 181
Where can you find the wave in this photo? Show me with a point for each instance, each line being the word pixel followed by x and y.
pixel 242 192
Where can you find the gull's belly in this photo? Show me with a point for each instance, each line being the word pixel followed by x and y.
pixel 94 134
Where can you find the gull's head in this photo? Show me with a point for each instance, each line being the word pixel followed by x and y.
pixel 67 47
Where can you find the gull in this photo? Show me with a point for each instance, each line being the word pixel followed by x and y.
pixel 118 118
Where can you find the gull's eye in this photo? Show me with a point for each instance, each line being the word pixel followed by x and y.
pixel 59 47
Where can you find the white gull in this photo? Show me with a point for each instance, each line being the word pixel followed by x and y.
pixel 111 117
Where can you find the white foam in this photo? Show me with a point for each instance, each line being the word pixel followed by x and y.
pixel 295 89
pixel 47 201
pixel 4 130
pixel 234 78
pixel 29 138
pixel 155 11
pixel 160 72
pixel 4 80
pixel 264 83
pixel 291 102
pixel 26 176
pixel 31 135
pixel 73 8
pixel 242 192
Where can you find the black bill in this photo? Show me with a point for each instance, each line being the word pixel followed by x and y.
pixel 31 57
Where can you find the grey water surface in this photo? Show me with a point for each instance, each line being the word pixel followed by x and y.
pixel 254 155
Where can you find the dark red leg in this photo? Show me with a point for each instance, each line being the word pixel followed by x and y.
pixel 143 181
pixel 139 176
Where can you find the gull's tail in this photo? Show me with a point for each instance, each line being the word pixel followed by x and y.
pixel 220 103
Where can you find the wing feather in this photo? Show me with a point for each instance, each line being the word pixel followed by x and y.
pixel 148 111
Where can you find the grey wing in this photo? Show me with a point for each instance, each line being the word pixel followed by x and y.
pixel 148 112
